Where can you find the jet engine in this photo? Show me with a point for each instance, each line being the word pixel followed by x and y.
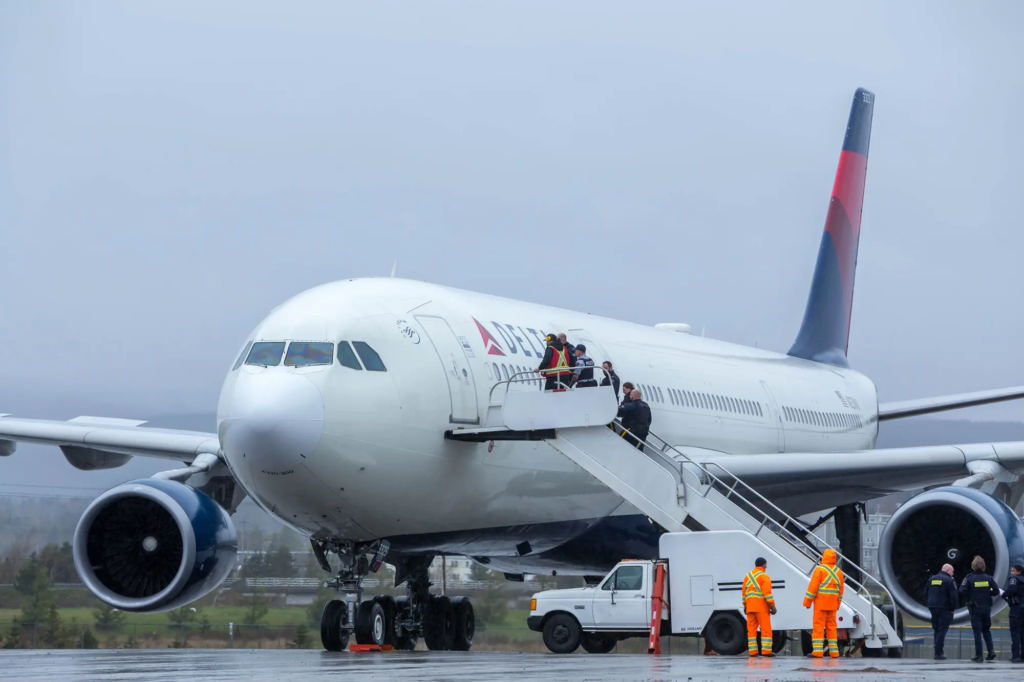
pixel 153 545
pixel 949 525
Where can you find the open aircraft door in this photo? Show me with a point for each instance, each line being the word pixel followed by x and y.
pixel 594 349
pixel 456 369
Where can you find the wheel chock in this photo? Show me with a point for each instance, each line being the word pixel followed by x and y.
pixel 366 648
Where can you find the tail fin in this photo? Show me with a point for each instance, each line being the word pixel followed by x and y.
pixel 825 333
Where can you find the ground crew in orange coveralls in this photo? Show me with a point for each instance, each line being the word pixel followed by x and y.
pixel 758 602
pixel 826 592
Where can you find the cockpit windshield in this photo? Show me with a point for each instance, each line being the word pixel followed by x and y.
pixel 303 354
pixel 266 353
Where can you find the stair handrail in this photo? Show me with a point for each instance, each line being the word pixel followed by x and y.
pixel 774 526
pixel 537 377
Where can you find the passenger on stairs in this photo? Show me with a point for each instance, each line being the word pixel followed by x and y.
pixel 825 592
pixel 609 372
pixel 759 605
pixel 584 372
pixel 627 392
pixel 636 419
pixel 554 366
pixel 569 347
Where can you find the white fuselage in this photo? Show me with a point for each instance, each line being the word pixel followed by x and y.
pixel 349 453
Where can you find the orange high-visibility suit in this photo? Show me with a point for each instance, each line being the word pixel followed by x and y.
pixel 826 592
pixel 759 603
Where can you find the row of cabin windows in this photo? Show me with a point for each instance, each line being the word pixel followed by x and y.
pixel 503 372
pixel 836 420
pixel 309 353
pixel 712 401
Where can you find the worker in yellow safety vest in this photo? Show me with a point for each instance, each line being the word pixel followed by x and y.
pixel 554 366
pixel 759 605
pixel 825 592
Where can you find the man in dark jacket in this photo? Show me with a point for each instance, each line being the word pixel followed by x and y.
pixel 942 602
pixel 627 392
pixel 609 373
pixel 979 588
pixel 569 347
pixel 555 360
pixel 636 418
pixel 1014 595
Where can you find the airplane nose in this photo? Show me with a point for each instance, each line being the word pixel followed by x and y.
pixel 274 420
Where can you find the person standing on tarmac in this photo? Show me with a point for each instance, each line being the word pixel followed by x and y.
pixel 759 605
pixel 942 602
pixel 1013 595
pixel 979 588
pixel 584 372
pixel 636 419
pixel 554 366
pixel 609 373
pixel 825 592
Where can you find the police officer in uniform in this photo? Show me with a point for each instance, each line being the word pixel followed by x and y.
pixel 979 588
pixel 584 371
pixel 636 418
pixel 1014 595
pixel 942 602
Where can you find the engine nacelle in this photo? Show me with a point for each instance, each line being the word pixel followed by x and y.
pixel 153 545
pixel 948 525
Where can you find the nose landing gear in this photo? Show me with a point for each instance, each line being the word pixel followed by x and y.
pixel 444 623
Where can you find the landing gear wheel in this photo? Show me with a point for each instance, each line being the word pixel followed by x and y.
pixel 779 639
pixel 465 624
pixel 439 623
pixel 371 623
pixel 391 619
pixel 404 640
pixel 562 634
pixel 871 653
pixel 598 644
pixel 332 636
pixel 726 634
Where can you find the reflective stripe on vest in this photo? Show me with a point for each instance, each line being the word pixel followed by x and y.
pixel 983 583
pixel 936 582
pixel 559 359
pixel 824 588
pixel 755 588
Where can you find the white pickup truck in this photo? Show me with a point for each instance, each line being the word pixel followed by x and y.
pixel 703 597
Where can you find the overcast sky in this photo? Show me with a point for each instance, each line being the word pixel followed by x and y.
pixel 171 171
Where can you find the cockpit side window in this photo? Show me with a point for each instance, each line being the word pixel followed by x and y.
pixel 266 353
pixel 369 356
pixel 346 356
pixel 242 356
pixel 303 354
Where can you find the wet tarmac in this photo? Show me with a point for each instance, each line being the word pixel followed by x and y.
pixel 212 665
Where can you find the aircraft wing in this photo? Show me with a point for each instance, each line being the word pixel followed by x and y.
pixel 106 435
pixel 804 482
pixel 913 408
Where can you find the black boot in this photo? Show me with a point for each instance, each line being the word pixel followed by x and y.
pixel 991 656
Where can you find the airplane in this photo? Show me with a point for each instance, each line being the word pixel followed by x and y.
pixel 343 411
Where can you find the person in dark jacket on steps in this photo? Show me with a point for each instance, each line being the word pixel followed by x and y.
pixel 610 372
pixel 636 419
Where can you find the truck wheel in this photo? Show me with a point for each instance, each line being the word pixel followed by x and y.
pixel 806 645
pixel 465 624
pixel 779 639
pixel 562 634
pixel 896 620
pixel 598 644
pixel 726 633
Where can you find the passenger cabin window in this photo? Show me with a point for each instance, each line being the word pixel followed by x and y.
pixel 266 353
pixel 303 354
pixel 242 356
pixel 626 579
pixel 371 361
pixel 347 357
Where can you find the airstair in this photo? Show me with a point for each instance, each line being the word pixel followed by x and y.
pixel 675 491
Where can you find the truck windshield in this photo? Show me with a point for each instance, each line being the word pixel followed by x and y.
pixel 627 578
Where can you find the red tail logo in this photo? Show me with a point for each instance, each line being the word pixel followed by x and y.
pixel 490 343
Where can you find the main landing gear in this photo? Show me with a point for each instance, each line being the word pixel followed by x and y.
pixel 444 623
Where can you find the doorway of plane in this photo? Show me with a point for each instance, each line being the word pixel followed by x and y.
pixel 457 369
pixel 594 349
pixel 776 415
